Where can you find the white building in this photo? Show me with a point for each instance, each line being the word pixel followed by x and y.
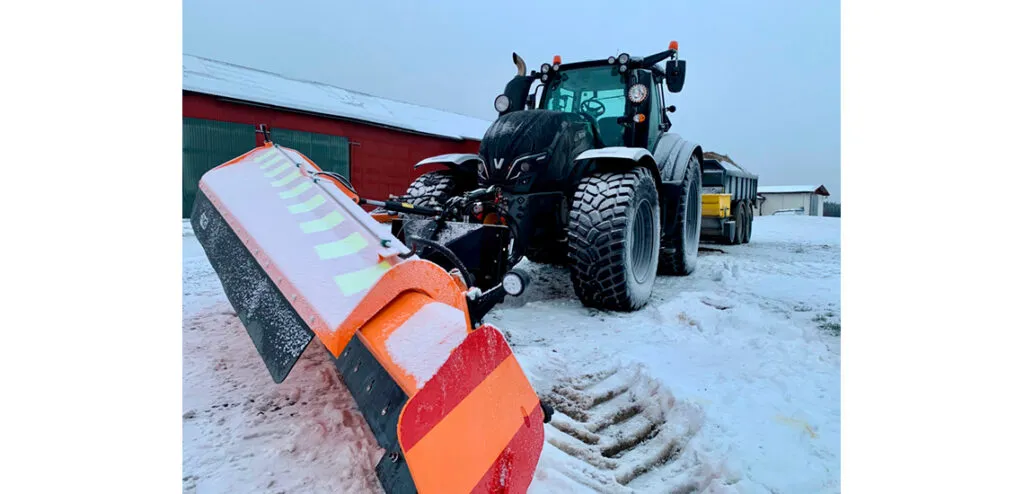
pixel 793 199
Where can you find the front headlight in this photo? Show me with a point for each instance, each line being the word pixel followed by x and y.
pixel 501 103
pixel 637 93
pixel 515 282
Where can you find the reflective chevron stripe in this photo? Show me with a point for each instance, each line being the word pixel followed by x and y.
pixel 339 248
pixel 295 191
pixel 305 207
pixel 357 281
pixel 277 171
pixel 332 220
pixel 291 177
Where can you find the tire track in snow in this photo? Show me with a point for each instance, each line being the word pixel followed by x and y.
pixel 625 433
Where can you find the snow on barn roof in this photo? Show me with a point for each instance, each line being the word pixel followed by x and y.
pixel 792 189
pixel 213 77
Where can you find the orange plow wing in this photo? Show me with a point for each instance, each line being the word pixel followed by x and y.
pixel 299 258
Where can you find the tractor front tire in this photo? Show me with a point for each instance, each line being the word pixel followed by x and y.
pixel 678 254
pixel 433 189
pixel 614 226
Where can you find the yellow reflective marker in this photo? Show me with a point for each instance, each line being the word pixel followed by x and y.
pixel 305 207
pixel 332 220
pixel 358 281
pixel 271 162
pixel 295 191
pixel 261 158
pixel 277 171
pixel 287 179
pixel 348 245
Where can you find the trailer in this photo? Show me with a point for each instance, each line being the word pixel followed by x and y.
pixel 728 197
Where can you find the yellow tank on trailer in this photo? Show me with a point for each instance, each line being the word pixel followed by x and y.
pixel 716 205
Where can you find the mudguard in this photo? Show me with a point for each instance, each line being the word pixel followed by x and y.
pixel 298 258
pixel 615 152
pixel 617 155
pixel 462 162
pixel 672 153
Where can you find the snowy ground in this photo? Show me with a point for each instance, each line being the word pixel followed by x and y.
pixel 728 381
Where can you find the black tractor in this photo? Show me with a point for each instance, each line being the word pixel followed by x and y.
pixel 579 169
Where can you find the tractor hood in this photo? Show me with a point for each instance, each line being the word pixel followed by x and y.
pixel 524 148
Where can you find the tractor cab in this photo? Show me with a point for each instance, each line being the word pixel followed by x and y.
pixel 597 93
pixel 622 97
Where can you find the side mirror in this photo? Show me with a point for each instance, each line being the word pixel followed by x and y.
pixel 675 75
pixel 671 109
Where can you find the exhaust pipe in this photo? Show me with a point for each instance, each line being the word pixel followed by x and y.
pixel 520 64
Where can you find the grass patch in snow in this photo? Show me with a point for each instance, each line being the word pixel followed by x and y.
pixel 832 327
pixel 825 323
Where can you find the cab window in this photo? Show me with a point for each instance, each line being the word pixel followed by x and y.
pixel 656 117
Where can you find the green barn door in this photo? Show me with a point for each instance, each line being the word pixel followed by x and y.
pixel 205 145
pixel 329 152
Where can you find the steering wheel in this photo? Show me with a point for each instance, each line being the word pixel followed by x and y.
pixel 592 107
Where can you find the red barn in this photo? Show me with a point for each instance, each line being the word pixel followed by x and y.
pixel 373 141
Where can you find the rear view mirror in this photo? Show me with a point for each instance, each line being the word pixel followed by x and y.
pixel 675 75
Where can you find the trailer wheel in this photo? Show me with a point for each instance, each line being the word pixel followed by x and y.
pixel 678 255
pixel 749 225
pixel 613 239
pixel 740 216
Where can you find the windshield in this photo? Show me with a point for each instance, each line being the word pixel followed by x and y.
pixel 597 91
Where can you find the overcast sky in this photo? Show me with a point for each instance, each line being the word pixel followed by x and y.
pixel 762 82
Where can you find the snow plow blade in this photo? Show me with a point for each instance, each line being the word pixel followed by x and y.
pixel 299 259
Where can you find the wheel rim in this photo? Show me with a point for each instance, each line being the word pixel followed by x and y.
pixel 692 216
pixel 641 254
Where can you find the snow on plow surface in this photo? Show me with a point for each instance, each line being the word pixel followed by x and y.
pixel 728 381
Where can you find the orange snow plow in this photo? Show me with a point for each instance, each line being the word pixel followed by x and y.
pixel 299 258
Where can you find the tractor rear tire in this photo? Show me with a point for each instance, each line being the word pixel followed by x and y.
pixel 740 216
pixel 750 222
pixel 678 254
pixel 613 239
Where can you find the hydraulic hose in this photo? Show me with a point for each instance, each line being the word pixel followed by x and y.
pixel 401 207
pixel 337 176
